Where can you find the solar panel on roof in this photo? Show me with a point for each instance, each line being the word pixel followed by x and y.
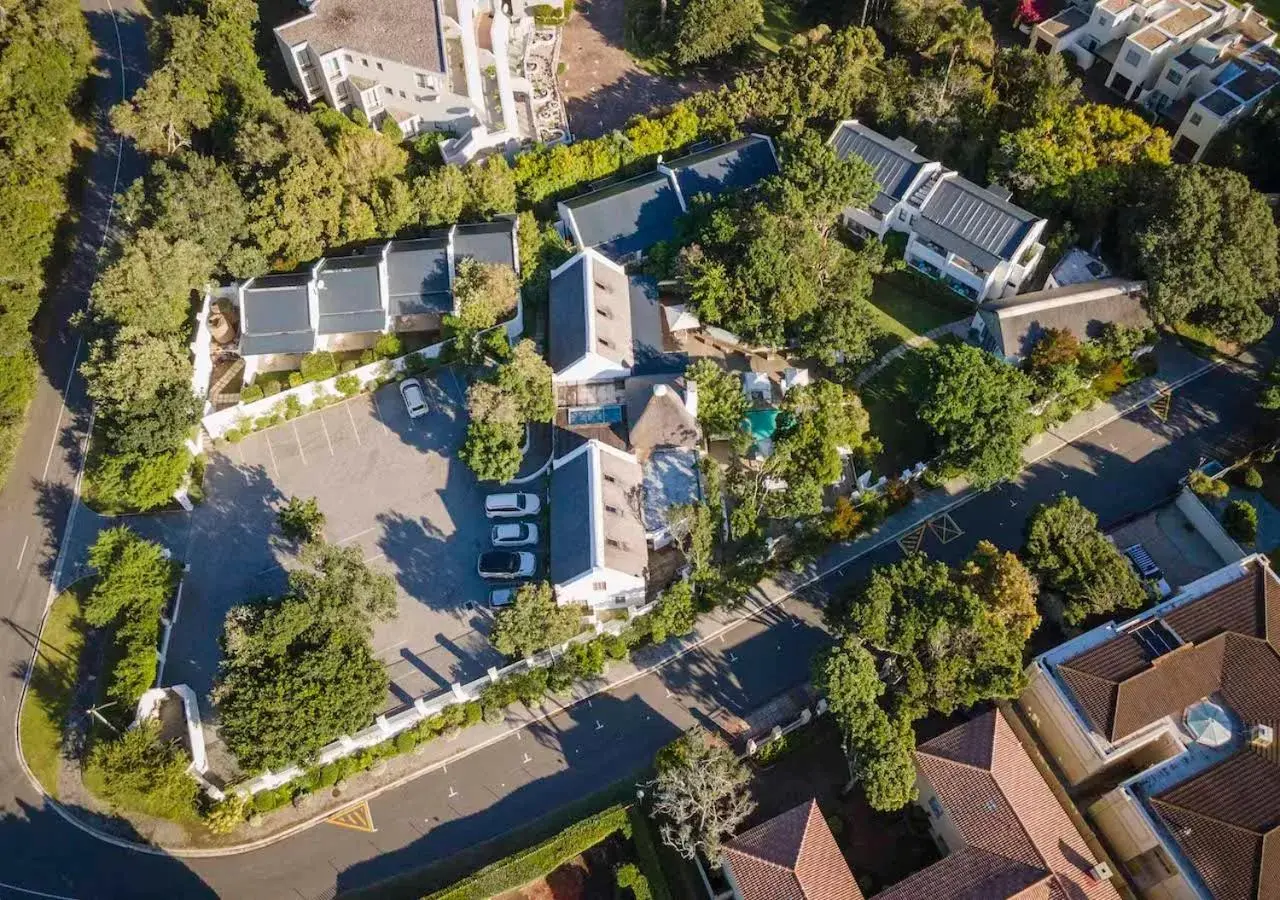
pixel 1156 639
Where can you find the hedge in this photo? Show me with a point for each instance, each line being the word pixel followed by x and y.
pixel 540 860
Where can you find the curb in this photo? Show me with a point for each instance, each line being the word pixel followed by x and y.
pixel 750 609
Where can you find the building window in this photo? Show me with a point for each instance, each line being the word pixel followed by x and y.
pixel 1132 58
pixel 1104 21
pixel 364 62
pixel 390 92
pixel 610 479
pixel 1174 76
pixel 402 95
pixel 333 65
pixel 599 585
pixel 935 807
pixel 1196 119
pixel 379 65
pixel 605 342
pixel 347 57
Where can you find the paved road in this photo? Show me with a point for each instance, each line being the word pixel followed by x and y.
pixel 1120 470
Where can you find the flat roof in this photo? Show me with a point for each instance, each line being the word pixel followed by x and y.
pixel 490 242
pixel 403 31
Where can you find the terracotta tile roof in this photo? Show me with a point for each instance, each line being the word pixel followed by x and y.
pixel 792 856
pixel 1122 688
pixel 1227 822
pixel 1019 841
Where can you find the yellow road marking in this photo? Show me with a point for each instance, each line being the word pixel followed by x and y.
pixel 357 818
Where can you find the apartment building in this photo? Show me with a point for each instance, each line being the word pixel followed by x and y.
pixel 970 238
pixel 1166 721
pixel 430 65
pixel 1177 58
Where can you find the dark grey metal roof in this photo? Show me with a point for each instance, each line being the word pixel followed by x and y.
pixel 568 336
pixel 974 222
pixel 628 217
pixel 1014 324
pixel 894 165
pixel 275 317
pixel 404 32
pixel 489 242
pixel 1220 102
pixel 347 294
pixel 418 277
pixel 728 167
pixel 571 500
pixel 648 354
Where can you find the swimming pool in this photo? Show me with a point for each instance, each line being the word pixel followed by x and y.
pixel 762 423
pixel 595 415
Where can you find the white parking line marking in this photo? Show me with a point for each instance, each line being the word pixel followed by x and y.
pixel 298 438
pixel 462 395
pixel 326 435
pixel 267 436
pixel 347 407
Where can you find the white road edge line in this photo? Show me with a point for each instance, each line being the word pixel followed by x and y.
pixel 23 552
pixel 57 425
pixel 31 893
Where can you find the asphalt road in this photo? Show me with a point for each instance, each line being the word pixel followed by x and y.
pixel 1123 469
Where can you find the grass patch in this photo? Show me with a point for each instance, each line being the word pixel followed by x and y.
pixel 889 401
pixel 1202 341
pixel 781 22
pixel 905 311
pixel 53 684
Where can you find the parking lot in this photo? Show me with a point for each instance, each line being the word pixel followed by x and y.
pixel 389 484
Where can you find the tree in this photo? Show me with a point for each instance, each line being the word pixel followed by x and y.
pixel 1055 347
pixel 301 521
pixel 132 482
pixel 917 24
pixel 139 771
pixel 978 409
pixel 150 286
pixel 1206 486
pixel 1206 242
pixel 676 613
pixel 299 671
pixel 1240 519
pixel 1033 87
pixel 1248 146
pixel 817 422
pixel 484 293
pixel 492 450
pixel 1074 558
pixel 1005 586
pixel 721 402
pixel 526 379
pixel 533 622
pixel 966 35
pixel 700 795
pixel 710 28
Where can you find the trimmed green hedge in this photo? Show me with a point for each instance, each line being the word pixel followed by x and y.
pixel 540 860
pixel 647 855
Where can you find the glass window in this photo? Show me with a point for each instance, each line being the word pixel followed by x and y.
pixel 347 57
pixel 1174 76
pixel 1196 119
pixel 1104 21
pixel 1133 57
pixel 402 93
pixel 364 62
pixel 333 65
pixel 379 65
pixel 422 80
pixel 935 807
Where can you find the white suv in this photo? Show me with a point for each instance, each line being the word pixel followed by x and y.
pixel 511 506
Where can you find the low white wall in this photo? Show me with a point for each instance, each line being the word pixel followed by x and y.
pixel 1207 524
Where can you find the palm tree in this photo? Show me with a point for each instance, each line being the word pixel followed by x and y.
pixel 967 34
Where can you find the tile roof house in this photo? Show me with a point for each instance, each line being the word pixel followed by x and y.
pixel 1177 707
pixel 793 856
pixel 599 556
pixel 970 238
pixel 1005 831
pixel 1010 327
pixel 346 303
pixel 623 220
pixel 419 63
pixel 1174 57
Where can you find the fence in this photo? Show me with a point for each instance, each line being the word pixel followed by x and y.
pixel 1207 524
pixel 219 423
pixel 388 726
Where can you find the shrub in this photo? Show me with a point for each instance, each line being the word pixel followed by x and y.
pixel 389 346
pixel 1241 521
pixel 131 482
pixel 140 772
pixel 273 387
pixel 225 816
pixel 1252 478
pixel 348 385
pixel 292 407
pixel 251 393
pixel 301 520
pixel 296 379
pixel 1205 486
pixel 234 435
pixel 348 364
pixel 845 520
pixel 406 741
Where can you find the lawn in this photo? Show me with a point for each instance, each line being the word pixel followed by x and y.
pixel 781 22
pixel 52 687
pixel 888 400
pixel 905 309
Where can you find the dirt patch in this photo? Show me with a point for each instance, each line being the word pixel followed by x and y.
pixel 601 84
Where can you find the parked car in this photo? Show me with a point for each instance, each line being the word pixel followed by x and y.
pixel 506 564
pixel 415 399
pixel 500 597
pixel 511 506
pixel 514 534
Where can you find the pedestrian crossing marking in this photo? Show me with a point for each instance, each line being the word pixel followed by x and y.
pixel 357 818
pixel 1161 405
pixel 910 543
pixel 945 528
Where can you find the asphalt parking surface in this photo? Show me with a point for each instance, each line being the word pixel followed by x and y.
pixel 389 484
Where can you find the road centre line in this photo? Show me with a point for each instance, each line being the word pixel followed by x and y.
pixel 23 552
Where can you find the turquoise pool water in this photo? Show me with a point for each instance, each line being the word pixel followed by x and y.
pixel 762 423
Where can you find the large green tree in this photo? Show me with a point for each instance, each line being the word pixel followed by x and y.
pixel 978 409
pixel 534 621
pixel 1207 243
pixel 526 378
pixel 721 402
pixel 710 28
pixel 1074 558
pixel 700 795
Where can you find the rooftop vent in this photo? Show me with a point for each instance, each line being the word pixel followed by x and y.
pixel 1100 872
pixel 1261 736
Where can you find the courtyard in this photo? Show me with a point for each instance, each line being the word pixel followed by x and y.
pixel 388 484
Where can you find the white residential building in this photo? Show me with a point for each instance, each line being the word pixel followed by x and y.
pixel 431 65
pixel 970 238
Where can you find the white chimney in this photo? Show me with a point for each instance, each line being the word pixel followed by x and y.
pixel 1261 736
pixel 659 390
pixel 1100 872
pixel 691 398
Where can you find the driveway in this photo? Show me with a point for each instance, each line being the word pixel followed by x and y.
pixel 388 484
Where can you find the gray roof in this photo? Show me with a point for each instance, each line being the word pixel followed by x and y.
pixel 895 164
pixel 587 288
pixel 728 167
pixel 649 357
pixel 974 222
pixel 570 536
pixel 490 242
pixel 275 315
pixel 418 277
pixel 670 479
pixel 404 32
pixel 1014 324
pixel 628 217
pixel 567 341
pixel 348 296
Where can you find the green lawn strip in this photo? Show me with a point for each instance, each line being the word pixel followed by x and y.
pixel 888 401
pixel 52 687
pixel 538 861
pixel 644 836
pixel 781 22
pixel 907 309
